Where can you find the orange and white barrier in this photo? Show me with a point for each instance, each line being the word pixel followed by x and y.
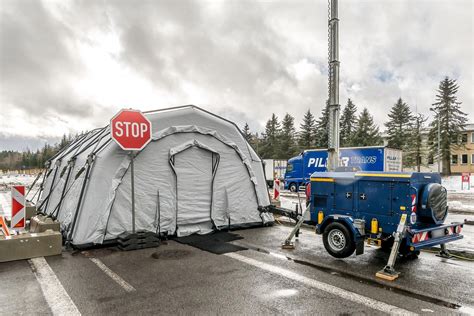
pixel 276 189
pixel 4 226
pixel 18 207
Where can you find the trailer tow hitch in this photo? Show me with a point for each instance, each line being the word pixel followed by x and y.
pixel 444 253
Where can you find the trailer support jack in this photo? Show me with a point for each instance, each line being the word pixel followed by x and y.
pixel 444 253
pixel 289 244
pixel 388 272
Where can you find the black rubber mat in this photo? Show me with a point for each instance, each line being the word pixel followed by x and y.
pixel 217 243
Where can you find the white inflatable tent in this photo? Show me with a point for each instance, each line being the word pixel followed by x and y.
pixel 197 174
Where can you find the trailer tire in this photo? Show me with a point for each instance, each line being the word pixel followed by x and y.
pixel 293 187
pixel 338 240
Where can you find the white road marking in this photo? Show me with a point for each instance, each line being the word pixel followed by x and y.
pixel 114 276
pixel 56 296
pixel 350 296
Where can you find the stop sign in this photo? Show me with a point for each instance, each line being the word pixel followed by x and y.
pixel 130 129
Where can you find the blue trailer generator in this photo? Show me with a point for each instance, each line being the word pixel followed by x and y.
pixel 350 208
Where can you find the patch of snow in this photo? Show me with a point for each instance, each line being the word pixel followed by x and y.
pixel 9 180
pixel 5 204
pixel 454 184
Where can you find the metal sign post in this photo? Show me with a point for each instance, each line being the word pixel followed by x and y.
pixel 132 175
pixel 131 130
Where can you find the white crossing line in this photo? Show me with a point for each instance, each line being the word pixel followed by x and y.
pixel 56 296
pixel 114 276
pixel 350 296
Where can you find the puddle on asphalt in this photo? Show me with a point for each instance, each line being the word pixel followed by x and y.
pixel 281 293
pixel 171 254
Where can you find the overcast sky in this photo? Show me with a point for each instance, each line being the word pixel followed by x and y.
pixel 69 66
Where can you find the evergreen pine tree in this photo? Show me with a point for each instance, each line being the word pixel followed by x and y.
pixel 63 143
pixel 306 134
pixel 247 133
pixel 415 151
pixel 348 123
pixel 366 133
pixel 288 146
pixel 322 129
pixel 270 143
pixel 451 120
pixel 399 125
pixel 256 143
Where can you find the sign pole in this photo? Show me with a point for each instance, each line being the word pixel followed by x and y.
pixel 132 174
pixel 131 130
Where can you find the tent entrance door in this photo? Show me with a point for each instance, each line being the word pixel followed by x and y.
pixel 195 169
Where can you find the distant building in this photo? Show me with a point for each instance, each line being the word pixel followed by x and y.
pixel 462 157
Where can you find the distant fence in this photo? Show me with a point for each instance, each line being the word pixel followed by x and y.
pixel 33 171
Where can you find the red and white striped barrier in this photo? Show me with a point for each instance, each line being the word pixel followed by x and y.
pixel 18 207
pixel 276 189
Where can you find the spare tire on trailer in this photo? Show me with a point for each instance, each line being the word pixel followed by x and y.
pixel 434 204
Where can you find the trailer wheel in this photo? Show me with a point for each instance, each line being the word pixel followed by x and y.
pixel 293 187
pixel 338 240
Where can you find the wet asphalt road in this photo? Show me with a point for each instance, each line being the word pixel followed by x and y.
pixel 185 280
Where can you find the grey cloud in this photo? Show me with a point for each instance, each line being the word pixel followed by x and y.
pixel 239 54
pixel 37 62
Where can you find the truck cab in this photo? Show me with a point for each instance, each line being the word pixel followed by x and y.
pixel 294 177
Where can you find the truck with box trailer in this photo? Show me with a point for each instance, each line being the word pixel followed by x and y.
pixel 376 158
pixel 274 169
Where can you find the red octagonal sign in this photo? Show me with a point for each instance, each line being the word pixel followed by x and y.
pixel 130 129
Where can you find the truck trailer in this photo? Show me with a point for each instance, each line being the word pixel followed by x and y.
pixel 376 158
pixel 274 169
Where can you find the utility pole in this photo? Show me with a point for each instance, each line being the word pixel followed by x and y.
pixel 438 122
pixel 333 141
pixel 439 143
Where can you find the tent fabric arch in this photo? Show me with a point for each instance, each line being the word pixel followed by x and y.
pixel 103 211
pixel 201 222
